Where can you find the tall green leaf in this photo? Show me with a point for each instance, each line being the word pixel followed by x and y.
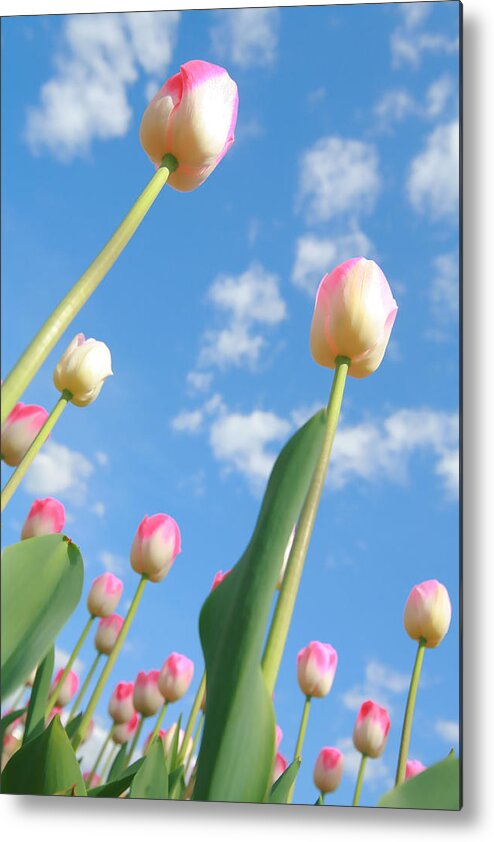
pixel 41 585
pixel 119 764
pixel 237 748
pixel 151 780
pixel 35 720
pixel 282 786
pixel 115 788
pixel 437 788
pixel 45 765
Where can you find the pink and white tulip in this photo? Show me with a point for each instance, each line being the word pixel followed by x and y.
pixel 328 769
pixel 123 731
pixel 280 764
pixel 155 546
pixel 219 578
pixel 82 369
pixel 371 729
pixel 286 556
pixel 104 595
pixel 121 704
pixel 353 317
pixel 316 667
pixel 92 779
pixel 45 517
pixel 192 117
pixel 147 741
pixel 428 612
pixel 278 736
pixel 67 690
pixel 107 633
pixel 55 711
pixel 147 696
pixel 413 767
pixel 175 677
pixel 19 430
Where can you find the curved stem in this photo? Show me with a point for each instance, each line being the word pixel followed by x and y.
pixel 82 691
pixel 192 719
pixel 300 741
pixel 36 445
pixel 55 325
pixel 135 739
pixel 410 707
pixel 93 701
pixel 360 778
pixel 98 758
pixel 52 699
pixel 280 624
pixel 157 726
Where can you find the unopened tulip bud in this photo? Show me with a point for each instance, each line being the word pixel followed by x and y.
pixel 55 711
pixel 19 431
pixel 353 317
pixel 175 677
pixel 278 736
pixel 371 729
pixel 192 117
pixel 285 559
pixel 147 741
pixel 121 704
pixel 316 667
pixel 280 764
pixel 82 369
pixel 104 595
pixel 123 731
pixel 155 546
pixel 91 778
pixel 219 578
pixel 45 517
pixel 107 633
pixel 147 697
pixel 428 613
pixel 67 690
pixel 328 769
pixel 414 767
pixel 168 740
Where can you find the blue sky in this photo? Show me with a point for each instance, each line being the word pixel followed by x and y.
pixel 346 144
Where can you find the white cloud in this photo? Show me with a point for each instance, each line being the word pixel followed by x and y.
pixel 433 180
pixel 338 176
pixel 437 95
pixel 394 106
pixel 246 37
pixel 376 770
pixel 199 381
pixel 98 508
pixel 448 469
pixel 317 255
pixel 88 751
pixel 398 104
pixel 87 97
pixel 187 422
pixel 113 562
pixel 57 470
pixel 444 288
pixel 380 684
pixel 410 41
pixel 101 458
pixel 448 730
pixel 61 658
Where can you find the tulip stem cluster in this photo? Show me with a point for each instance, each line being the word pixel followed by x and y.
pixel 108 763
pixel 35 447
pixel 275 645
pixel 135 739
pixel 68 666
pixel 192 719
pixel 82 691
pixel 300 740
pixel 360 778
pixel 98 759
pixel 409 710
pixel 61 317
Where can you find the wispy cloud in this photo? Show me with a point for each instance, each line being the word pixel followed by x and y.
pixel 448 730
pixel 381 683
pixel 113 562
pixel 316 255
pixel 246 37
pixel 61 658
pixel 58 470
pixel 434 178
pixel 410 40
pixel 397 105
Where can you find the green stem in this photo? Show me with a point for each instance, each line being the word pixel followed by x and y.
pixel 360 778
pixel 32 451
pixel 135 739
pixel 98 759
pixel 192 719
pixel 108 763
pixel 410 707
pixel 194 743
pixel 300 741
pixel 55 325
pixel 157 726
pixel 82 691
pixel 280 624
pixel 320 800
pixel 52 699
pixel 93 701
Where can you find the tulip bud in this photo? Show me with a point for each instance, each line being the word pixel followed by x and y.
pixel 45 517
pixel 285 559
pixel 82 369
pixel 193 118
pixel 353 317
pixel 280 764
pixel 104 595
pixel 19 431
pixel 428 613
pixel 155 546
pixel 219 578
pixel 168 740
pixel 68 689
pixel 328 769
pixel 91 779
pixel 175 677
pixel 278 736
pixel 371 729
pixel 55 711
pixel 121 704
pixel 107 633
pixel 123 731
pixel 147 697
pixel 147 741
pixel 316 666
pixel 413 767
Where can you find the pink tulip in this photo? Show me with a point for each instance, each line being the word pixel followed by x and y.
pixel 19 431
pixel 280 764
pixel 45 517
pixel 147 697
pixel 121 704
pixel 219 578
pixel 55 711
pixel 107 633
pixel 175 677
pixel 68 689
pixel 428 613
pixel 316 667
pixel 278 736
pixel 413 767
pixel 123 731
pixel 371 729
pixel 104 595
pixel 328 769
pixel 82 369
pixel 353 317
pixel 155 546
pixel 91 779
pixel 192 117
pixel 147 741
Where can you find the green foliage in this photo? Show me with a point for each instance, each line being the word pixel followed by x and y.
pixel 119 764
pixel 176 783
pixel 72 726
pixel 237 748
pixel 151 780
pixel 7 720
pixel 282 786
pixel 45 765
pixel 437 788
pixel 41 585
pixel 115 788
pixel 35 720
pixel 171 759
